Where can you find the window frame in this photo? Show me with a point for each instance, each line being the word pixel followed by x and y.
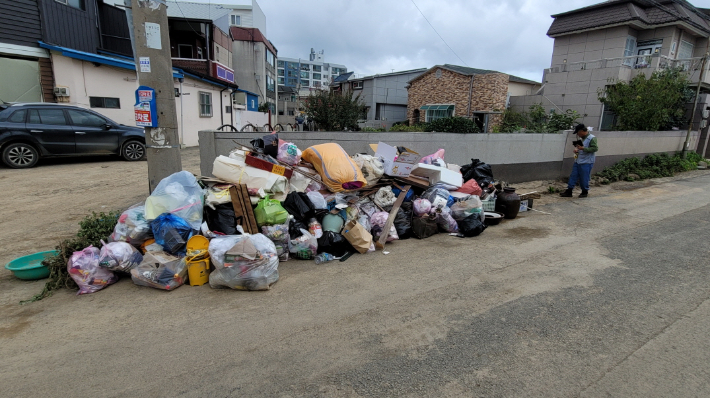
pixel 38 110
pixel 81 4
pixel 104 122
pixel 357 85
pixel 102 101
pixel 24 117
pixel 209 104
pixel 434 112
pixel 235 20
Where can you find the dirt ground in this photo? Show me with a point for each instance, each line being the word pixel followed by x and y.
pixel 575 303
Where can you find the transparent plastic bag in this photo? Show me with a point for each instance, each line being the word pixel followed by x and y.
pixel 83 267
pixel 160 270
pixel 119 256
pixel 243 262
pixel 280 236
pixel 421 207
pixel 445 221
pixel 305 247
pixel 439 197
pixel 317 200
pixel 378 221
pixel 132 227
pixel 465 208
pixel 289 153
pixel 178 194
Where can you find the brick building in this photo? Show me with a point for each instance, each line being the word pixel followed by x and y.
pixel 450 90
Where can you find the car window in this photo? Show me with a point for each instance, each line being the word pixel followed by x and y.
pixel 17 116
pixel 47 116
pixel 85 119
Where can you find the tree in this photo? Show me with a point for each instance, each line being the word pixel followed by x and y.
pixel 334 111
pixel 649 104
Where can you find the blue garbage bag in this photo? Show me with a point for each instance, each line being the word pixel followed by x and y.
pixel 172 232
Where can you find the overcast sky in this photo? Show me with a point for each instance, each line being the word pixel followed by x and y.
pixel 376 36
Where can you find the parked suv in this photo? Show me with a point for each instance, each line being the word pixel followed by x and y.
pixel 33 130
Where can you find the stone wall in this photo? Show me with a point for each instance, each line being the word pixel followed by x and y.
pixel 488 92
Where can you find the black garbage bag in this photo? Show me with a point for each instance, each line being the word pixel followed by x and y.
pixel 479 171
pixel 471 226
pixel 334 243
pixel 268 144
pixel 403 221
pixel 295 227
pixel 424 227
pixel 221 219
pixel 299 206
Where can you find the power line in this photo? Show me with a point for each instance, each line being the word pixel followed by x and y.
pixel 442 39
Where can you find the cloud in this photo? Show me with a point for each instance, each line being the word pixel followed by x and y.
pixel 376 36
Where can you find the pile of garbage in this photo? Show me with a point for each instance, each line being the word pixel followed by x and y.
pixel 269 202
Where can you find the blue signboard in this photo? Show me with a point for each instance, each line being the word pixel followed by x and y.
pixel 146 110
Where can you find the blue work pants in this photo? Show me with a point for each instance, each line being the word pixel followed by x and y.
pixel 581 173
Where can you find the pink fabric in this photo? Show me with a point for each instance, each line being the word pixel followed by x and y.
pixel 471 187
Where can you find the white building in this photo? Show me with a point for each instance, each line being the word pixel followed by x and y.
pixel 307 74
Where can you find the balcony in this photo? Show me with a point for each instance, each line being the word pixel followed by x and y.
pixel 630 67
pixel 198 65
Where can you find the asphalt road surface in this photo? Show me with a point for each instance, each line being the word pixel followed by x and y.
pixel 606 297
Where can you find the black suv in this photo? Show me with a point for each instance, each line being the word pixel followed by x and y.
pixel 34 130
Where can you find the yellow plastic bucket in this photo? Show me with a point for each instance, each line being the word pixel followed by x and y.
pixel 198 260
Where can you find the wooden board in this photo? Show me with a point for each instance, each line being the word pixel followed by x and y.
pixel 390 220
pixel 243 211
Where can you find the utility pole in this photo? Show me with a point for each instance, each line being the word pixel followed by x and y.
pixel 695 105
pixel 148 20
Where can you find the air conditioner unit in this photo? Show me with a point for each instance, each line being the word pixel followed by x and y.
pixel 61 91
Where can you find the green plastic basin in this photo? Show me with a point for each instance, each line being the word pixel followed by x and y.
pixel 30 267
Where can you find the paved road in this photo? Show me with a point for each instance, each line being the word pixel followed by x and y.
pixel 606 297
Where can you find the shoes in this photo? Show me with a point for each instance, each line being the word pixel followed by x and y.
pixel 583 194
pixel 566 194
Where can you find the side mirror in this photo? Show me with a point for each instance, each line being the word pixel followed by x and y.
pixel 107 126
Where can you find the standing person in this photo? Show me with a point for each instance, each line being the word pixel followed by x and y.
pixel 584 157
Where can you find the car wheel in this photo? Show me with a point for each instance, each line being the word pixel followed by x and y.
pixel 20 155
pixel 133 150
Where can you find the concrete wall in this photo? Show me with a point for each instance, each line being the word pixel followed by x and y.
pixel 513 157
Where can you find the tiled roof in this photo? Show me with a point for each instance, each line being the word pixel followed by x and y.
pixel 619 11
pixel 189 10
pixel 464 70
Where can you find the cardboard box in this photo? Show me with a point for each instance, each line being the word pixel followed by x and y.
pixel 396 166
pixel 526 204
pixel 267 166
pixel 438 174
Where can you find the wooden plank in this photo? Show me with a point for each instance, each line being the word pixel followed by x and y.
pixel 390 219
pixel 248 210
pixel 237 205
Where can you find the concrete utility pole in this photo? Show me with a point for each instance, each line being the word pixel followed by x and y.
pixel 151 48
pixel 686 144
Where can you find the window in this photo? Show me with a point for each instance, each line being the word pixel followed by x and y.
pixel 205 104
pixel 184 51
pixel 291 81
pixel 436 111
pixel 236 20
pixel 280 64
pixel 316 76
pixel 305 67
pixel 105 102
pixel 338 71
pixel 305 83
pixel 281 113
pixel 293 98
pixel 316 83
pixel 85 119
pixel 685 50
pixel 280 72
pixel 357 85
pixel 48 116
pixel 78 4
pixel 281 81
pixel 305 75
pixel 316 68
pixel 18 116
pixel 270 58
pixel 270 83
pixel 629 50
pixel 290 112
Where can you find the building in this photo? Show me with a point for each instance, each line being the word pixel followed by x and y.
pixel 253 56
pixel 451 90
pixel 289 105
pixel 385 95
pixel 307 74
pixel 79 53
pixel 616 41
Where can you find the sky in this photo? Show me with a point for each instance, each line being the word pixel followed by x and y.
pixel 377 36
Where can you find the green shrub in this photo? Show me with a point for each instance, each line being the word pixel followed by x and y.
pixel 417 128
pixel 373 129
pixel 537 120
pixel 652 166
pixel 455 124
